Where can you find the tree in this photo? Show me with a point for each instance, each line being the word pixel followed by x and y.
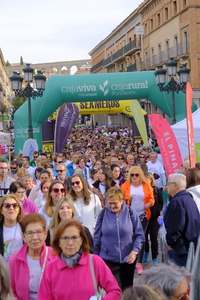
pixel 21 60
pixel 8 64
pixel 17 102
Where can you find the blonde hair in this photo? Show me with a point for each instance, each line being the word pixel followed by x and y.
pixel 56 218
pixel 150 176
pixel 115 193
pixel 6 197
pixel 21 172
pixel 136 169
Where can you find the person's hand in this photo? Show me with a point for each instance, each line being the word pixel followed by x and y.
pixel 131 258
pixel 169 247
pixel 147 205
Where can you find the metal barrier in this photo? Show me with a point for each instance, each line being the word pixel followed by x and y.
pixel 193 265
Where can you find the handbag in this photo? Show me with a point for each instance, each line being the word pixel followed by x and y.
pixel 99 291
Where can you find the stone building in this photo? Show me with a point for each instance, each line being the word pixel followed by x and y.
pixel 170 29
pixel 5 94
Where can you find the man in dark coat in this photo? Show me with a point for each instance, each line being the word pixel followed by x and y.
pixel 181 219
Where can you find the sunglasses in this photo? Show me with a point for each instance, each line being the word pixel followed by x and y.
pixel 60 171
pixel 107 155
pixel 35 156
pixel 60 162
pixel 8 205
pixel 13 168
pixel 56 190
pixel 134 174
pixel 120 158
pixel 75 182
pixel 142 156
pixel 126 171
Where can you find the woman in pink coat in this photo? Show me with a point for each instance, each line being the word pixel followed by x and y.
pixel 27 265
pixel 70 275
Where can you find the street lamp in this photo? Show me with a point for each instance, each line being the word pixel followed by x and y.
pixel 172 85
pixel 28 92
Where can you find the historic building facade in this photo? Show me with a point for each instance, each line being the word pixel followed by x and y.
pixel 170 29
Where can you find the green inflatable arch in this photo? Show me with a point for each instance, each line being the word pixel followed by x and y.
pixel 95 87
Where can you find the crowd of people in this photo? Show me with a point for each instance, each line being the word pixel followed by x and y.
pixel 77 220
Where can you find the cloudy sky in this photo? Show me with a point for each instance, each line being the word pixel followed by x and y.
pixel 61 30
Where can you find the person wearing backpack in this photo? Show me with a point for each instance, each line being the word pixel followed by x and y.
pixel 118 237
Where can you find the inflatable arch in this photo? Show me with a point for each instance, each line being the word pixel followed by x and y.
pixel 95 87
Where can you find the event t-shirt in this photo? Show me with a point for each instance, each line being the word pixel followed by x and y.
pixel 34 279
pixel 12 239
pixel 137 199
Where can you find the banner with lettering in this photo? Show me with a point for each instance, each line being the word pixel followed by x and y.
pixel 189 121
pixel 167 143
pixel 66 118
pixel 139 120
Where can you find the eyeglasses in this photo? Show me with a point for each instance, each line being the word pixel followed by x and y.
pixel 170 182
pixel 134 174
pixel 113 203
pixel 126 171
pixel 30 234
pixel 185 296
pixel 76 182
pixel 66 239
pixel 56 190
pixel 8 205
pixel 60 171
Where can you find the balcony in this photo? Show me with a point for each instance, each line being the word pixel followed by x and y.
pixel 107 62
pixel 118 54
pixel 97 66
pixel 132 47
pixel 132 68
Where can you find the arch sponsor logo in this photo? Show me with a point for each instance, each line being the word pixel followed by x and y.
pixel 115 88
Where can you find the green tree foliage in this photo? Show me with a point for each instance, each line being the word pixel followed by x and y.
pixel 8 64
pixel 17 102
pixel 21 60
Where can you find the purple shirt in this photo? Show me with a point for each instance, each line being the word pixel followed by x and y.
pixel 28 207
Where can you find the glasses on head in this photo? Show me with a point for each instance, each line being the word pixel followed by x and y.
pixel 8 205
pixel 56 190
pixel 134 174
pixel 60 171
pixel 73 238
pixel 76 182
pixel 30 234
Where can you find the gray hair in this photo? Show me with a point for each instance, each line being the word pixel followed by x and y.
pixel 180 179
pixel 165 277
pixel 6 292
pixel 27 176
pixel 62 165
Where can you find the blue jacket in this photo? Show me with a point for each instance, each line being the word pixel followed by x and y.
pixel 182 222
pixel 70 169
pixel 117 235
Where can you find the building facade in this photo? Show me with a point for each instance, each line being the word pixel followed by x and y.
pixel 170 29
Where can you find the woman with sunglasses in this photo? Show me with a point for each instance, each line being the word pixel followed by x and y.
pixel 86 203
pixel 102 185
pixel 139 195
pixel 57 190
pixel 65 210
pixel 72 274
pixel 28 264
pixel 10 228
pixel 18 189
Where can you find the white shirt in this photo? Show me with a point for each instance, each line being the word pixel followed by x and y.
pixel 12 239
pixel 157 168
pixel 137 199
pixel 34 279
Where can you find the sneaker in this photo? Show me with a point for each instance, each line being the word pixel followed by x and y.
pixel 155 261
pixel 139 269
pixel 145 256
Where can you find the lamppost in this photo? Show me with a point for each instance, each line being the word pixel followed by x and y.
pixel 172 85
pixel 28 92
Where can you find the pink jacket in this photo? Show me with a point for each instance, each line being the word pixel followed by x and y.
pixel 60 282
pixel 19 271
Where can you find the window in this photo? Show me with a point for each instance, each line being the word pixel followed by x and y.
pixel 175 46
pixel 167 49
pixel 151 24
pixel 158 19
pixel 166 14
pixel 175 7
pixel 184 3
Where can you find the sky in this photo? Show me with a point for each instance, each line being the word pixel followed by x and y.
pixel 44 31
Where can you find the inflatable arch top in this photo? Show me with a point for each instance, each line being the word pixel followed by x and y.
pixel 95 87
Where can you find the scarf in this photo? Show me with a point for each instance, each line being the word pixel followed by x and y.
pixel 73 260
